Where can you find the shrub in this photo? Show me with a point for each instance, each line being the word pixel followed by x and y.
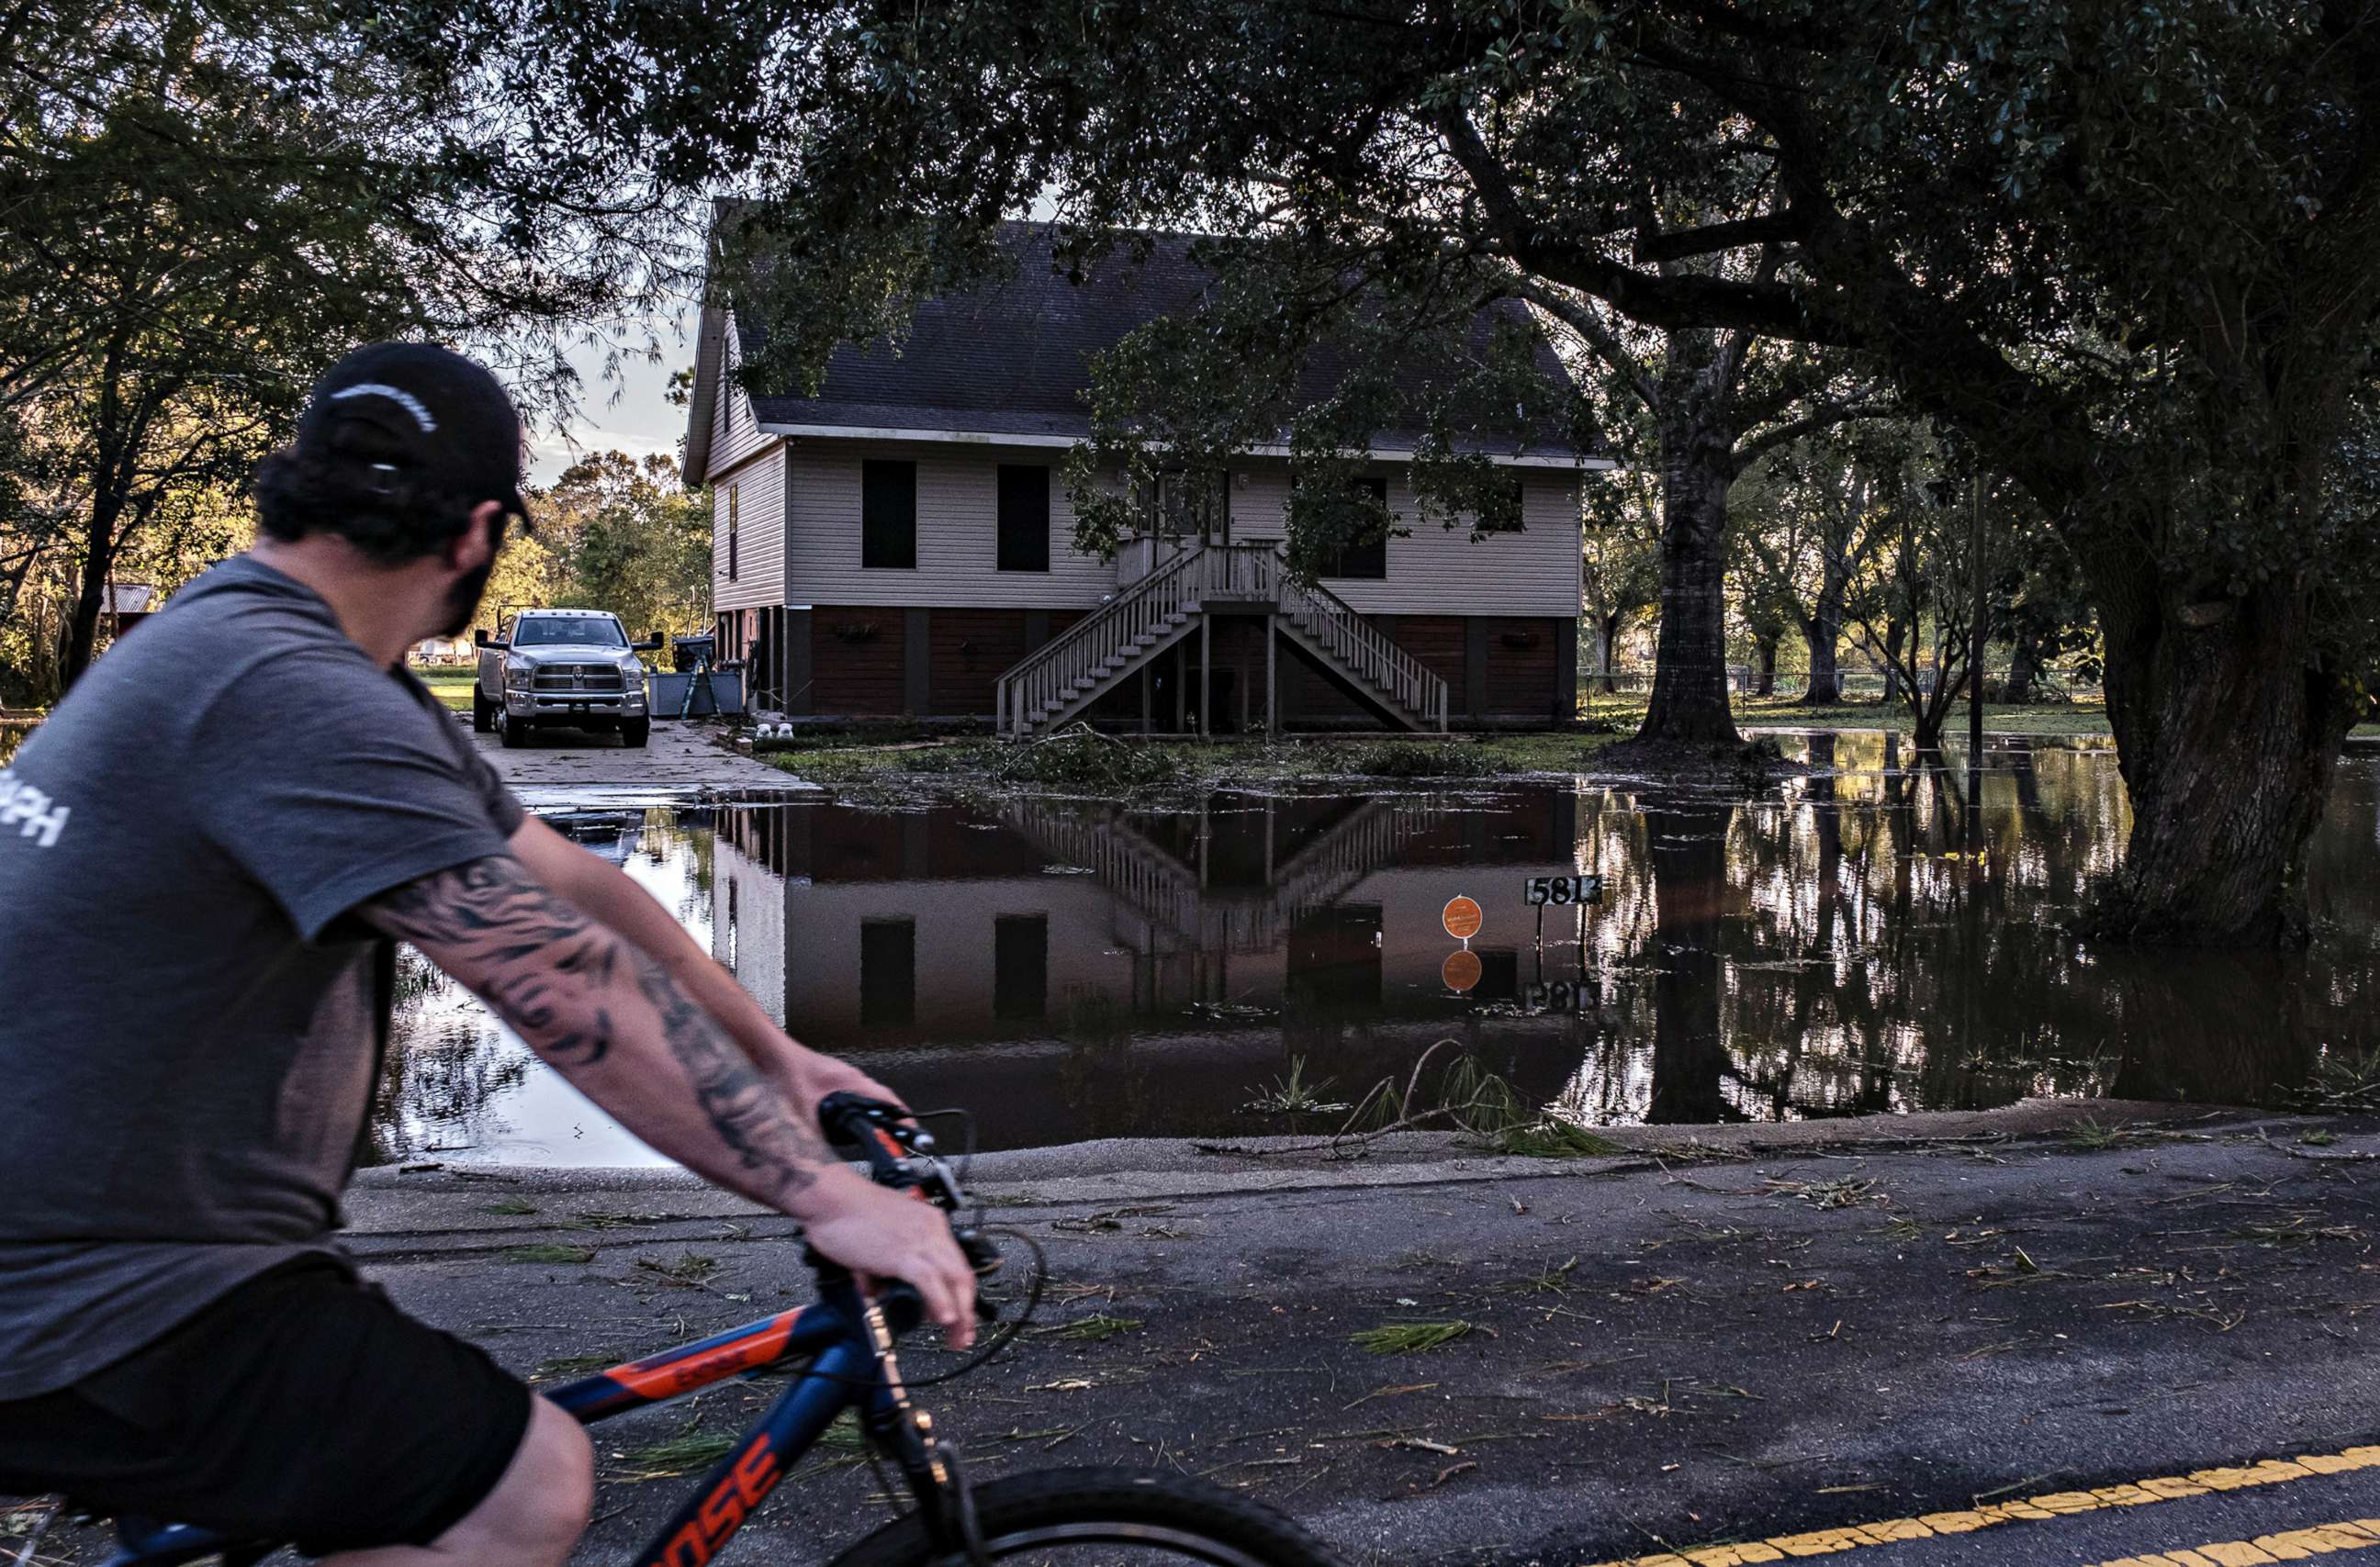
pixel 1420 759
pixel 1080 760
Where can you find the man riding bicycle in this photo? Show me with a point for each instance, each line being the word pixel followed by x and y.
pixel 206 856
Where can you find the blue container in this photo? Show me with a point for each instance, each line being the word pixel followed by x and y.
pixel 666 693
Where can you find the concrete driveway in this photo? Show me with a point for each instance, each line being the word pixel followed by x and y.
pixel 681 757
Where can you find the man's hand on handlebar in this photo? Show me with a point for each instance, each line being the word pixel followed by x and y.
pixel 882 1236
pixel 808 1078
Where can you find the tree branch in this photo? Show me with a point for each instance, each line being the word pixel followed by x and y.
pixel 1772 310
pixel 1684 244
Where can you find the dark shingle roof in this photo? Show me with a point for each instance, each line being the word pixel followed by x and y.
pixel 1012 358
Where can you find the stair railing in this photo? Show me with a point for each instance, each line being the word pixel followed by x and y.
pixel 1045 677
pixel 1356 643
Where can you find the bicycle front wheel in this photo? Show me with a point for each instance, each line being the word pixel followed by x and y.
pixel 1107 1518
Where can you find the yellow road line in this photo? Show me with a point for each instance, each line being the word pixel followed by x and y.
pixel 2057 1504
pixel 2290 1545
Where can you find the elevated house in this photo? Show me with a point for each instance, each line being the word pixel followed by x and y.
pixel 901 543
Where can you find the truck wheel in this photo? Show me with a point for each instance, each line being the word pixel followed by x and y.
pixel 635 732
pixel 483 713
pixel 512 731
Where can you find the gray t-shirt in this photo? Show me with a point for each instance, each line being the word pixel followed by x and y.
pixel 189 1024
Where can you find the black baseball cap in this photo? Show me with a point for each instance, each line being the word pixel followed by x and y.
pixel 419 406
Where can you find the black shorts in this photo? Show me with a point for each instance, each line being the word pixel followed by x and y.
pixel 303 1407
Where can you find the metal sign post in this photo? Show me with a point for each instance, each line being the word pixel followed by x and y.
pixel 1463 918
pixel 1562 892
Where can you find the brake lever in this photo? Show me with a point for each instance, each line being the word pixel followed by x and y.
pixel 895 1145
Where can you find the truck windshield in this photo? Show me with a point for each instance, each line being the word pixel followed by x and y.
pixel 578 630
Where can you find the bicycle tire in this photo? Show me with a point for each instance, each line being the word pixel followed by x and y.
pixel 1026 1513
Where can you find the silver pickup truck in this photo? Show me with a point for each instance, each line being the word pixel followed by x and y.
pixel 561 668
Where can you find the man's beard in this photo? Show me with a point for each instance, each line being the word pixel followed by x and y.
pixel 463 597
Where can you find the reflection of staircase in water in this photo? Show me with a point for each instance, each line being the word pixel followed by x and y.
pixel 1167 893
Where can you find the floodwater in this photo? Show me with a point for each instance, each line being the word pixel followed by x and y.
pixel 1863 940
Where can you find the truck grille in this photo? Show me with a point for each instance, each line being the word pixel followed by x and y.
pixel 578 677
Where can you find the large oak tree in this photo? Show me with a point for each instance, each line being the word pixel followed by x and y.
pixel 2125 251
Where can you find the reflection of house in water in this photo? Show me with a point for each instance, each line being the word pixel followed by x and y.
pixel 615 835
pixel 1177 960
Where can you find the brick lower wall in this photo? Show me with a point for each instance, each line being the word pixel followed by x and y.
pixel 1436 643
pixel 856 653
pixel 861 664
pixel 968 652
pixel 1522 659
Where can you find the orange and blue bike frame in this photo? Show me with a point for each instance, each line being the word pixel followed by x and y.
pixel 843 1371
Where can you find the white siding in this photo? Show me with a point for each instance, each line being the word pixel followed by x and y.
pixel 759 487
pixel 1435 571
pixel 734 433
pixel 752 942
pixel 958 533
pixel 1440 571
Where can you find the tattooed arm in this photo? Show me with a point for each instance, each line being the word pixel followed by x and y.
pixel 604 891
pixel 611 1020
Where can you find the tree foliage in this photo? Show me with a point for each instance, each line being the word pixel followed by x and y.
pixel 205 202
pixel 611 533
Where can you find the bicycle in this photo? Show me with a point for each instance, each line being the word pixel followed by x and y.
pixel 1120 1515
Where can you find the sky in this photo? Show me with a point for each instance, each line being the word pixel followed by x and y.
pixel 632 415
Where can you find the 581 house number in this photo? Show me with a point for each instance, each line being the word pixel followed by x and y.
pixel 1560 892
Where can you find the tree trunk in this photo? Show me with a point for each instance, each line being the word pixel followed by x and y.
pixel 2229 727
pixel 1607 633
pixel 1824 632
pixel 2024 669
pixel 1768 648
pixel 1895 633
pixel 98 564
pixel 1689 851
pixel 1689 705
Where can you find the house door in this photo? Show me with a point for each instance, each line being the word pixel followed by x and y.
pixel 1194 507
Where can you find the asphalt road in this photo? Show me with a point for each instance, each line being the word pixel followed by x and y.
pixel 2065 1350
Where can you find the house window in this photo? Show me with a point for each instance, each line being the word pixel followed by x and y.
pixel 888 515
pixel 1023 518
pixel 1187 504
pixel 731 533
pixel 1369 559
pixel 1020 966
pixel 888 972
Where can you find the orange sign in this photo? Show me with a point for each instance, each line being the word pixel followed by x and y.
pixel 1462 970
pixel 1463 918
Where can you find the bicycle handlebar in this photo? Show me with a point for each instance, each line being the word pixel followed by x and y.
pixel 902 1156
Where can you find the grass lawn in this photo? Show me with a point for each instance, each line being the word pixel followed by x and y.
pixel 449 683
pixel 1758 712
pixel 906 756
pixel 1108 765
pixel 893 753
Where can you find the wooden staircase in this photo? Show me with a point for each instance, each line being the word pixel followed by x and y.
pixel 1171 896
pixel 1054 684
